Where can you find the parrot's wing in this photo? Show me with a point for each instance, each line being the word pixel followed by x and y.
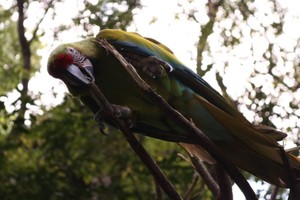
pixel 134 43
pixel 244 143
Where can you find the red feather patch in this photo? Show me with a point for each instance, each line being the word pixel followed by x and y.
pixel 59 65
pixel 63 60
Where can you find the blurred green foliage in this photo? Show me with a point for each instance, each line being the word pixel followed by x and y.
pixel 66 157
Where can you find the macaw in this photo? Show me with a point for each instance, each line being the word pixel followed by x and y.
pixel 247 146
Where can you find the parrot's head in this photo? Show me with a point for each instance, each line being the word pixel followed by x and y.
pixel 70 64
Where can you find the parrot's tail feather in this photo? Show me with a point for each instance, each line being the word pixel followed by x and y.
pixel 271 132
pixel 278 176
pixel 197 151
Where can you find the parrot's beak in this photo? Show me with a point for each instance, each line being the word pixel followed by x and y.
pixel 79 76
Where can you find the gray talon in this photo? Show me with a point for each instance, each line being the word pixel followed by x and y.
pixel 154 67
pixel 122 111
pixel 125 113
pixel 100 122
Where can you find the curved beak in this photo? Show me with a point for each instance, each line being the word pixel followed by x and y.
pixel 79 76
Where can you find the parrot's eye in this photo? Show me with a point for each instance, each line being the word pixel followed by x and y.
pixel 72 50
pixel 77 56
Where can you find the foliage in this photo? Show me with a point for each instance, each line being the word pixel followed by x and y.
pixel 65 157
pixel 10 54
pixel 270 85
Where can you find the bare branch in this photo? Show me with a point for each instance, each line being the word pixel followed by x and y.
pixel 295 186
pixel 135 145
pixel 206 176
pixel 158 190
pixel 224 183
pixel 22 39
pixel 274 193
pixel 49 5
pixel 26 65
pixel 206 31
pixel 190 190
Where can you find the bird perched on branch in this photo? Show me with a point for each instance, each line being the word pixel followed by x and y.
pixel 252 148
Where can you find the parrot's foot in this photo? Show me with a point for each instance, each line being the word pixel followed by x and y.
pixel 154 67
pixel 124 113
pixel 151 65
pixel 99 118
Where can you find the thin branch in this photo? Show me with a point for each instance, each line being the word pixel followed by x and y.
pixel 206 31
pixel 135 145
pixel 204 173
pixel 223 87
pixel 202 139
pixel 190 190
pixel 274 193
pixel 224 183
pixel 158 190
pixel 206 176
pixel 294 185
pixel 49 5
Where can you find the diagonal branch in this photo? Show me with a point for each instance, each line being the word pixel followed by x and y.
pixel 206 176
pixel 49 5
pixel 206 31
pixel 224 182
pixel 202 140
pixel 135 145
pixel 188 195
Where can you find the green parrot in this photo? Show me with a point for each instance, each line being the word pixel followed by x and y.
pixel 251 148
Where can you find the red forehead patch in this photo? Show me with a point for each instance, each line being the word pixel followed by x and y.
pixel 63 60
pixel 59 65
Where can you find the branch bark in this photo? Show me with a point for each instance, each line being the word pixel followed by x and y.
pixel 26 56
pixel 224 183
pixel 206 176
pixel 188 195
pixel 25 47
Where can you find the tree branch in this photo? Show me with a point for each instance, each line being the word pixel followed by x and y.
pixel 224 183
pixel 188 195
pixel 274 193
pixel 206 31
pixel 158 190
pixel 202 139
pixel 40 21
pixel 135 145
pixel 26 53
pixel 26 65
pixel 206 176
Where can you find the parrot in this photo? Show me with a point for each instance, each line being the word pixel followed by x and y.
pixel 253 148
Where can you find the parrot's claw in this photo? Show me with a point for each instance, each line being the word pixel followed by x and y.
pixel 125 113
pixel 122 112
pixel 154 67
pixel 151 65
pixel 100 122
